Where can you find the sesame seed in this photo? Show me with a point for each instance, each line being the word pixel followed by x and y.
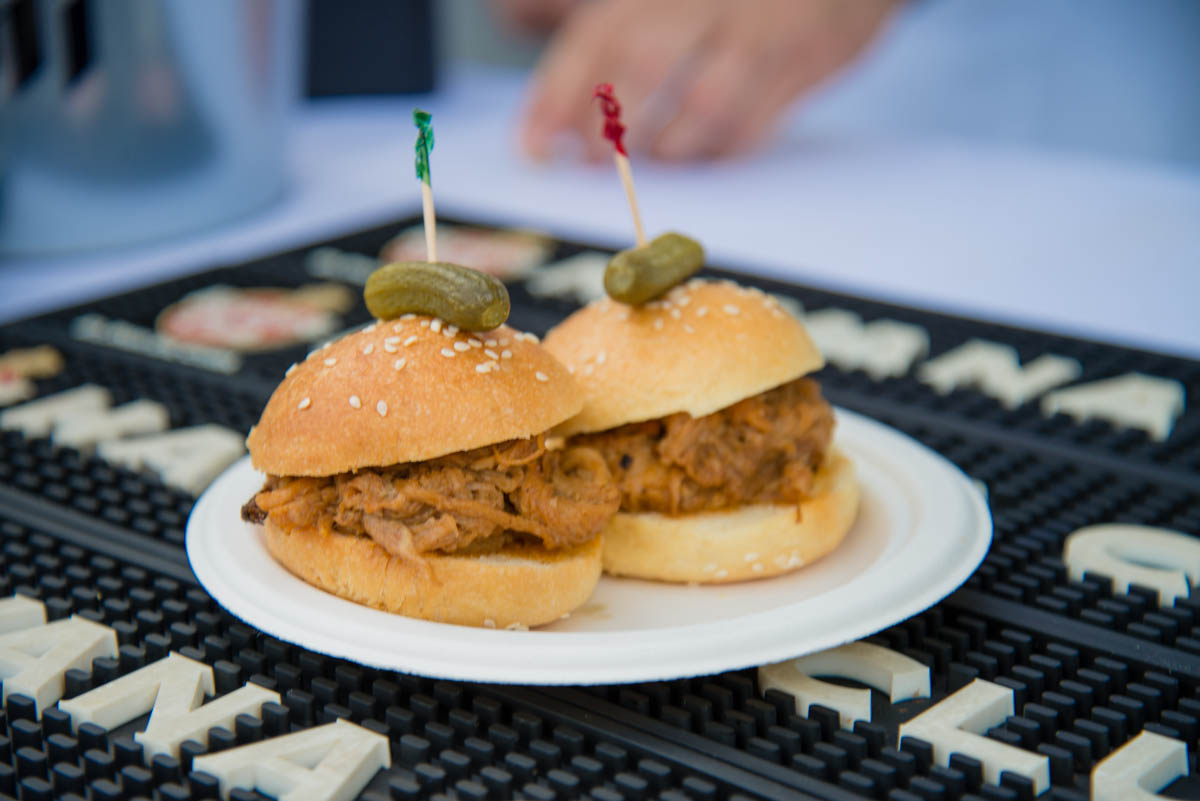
pixel 688 328
pixel 750 557
pixel 571 369
pixel 355 402
pixel 381 407
pixel 588 369
pixel 435 325
pixel 491 343
pixel 393 341
pixel 304 404
pixel 452 330
pixel 710 568
pixel 540 376
pixel 410 340
pixel 369 328
pixel 776 313
pixel 528 337
pixel 424 323
pixel 703 310
pixel 684 300
pixel 658 323
pixel 474 343
pixel 461 346
pixel 757 567
pixel 330 362
pixel 488 623
pixel 369 349
pixel 290 370
pixel 399 364
pixel 503 341
pixel 722 573
pixel 601 357
pixel 731 309
pixel 398 327
pixel 447 353
pixel 483 367
pixel 506 354
pixel 491 354
pixel 408 316
pixel 390 347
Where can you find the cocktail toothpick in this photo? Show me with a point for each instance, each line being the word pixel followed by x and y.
pixel 423 120
pixel 614 131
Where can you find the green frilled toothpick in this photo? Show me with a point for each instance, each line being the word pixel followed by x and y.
pixel 423 121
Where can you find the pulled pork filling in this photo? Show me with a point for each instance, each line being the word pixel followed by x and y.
pixel 475 500
pixel 762 450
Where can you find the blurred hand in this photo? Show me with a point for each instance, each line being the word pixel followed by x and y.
pixel 696 78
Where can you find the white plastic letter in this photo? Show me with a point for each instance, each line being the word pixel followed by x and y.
pixel 1133 400
pixel 85 429
pixel 957 723
pixel 36 418
pixel 187 457
pixel 18 612
pixel 170 683
pixel 1139 769
pixel 172 690
pixel 882 668
pixel 882 348
pixel 33 661
pixel 996 370
pixel 579 278
pixel 333 762
pixel 1155 557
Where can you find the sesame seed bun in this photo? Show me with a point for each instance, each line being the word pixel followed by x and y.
pixel 702 347
pixel 517 587
pixel 400 391
pixel 747 543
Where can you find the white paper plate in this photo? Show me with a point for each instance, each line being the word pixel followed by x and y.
pixel 922 529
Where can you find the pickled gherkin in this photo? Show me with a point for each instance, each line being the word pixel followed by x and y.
pixel 642 274
pixel 459 295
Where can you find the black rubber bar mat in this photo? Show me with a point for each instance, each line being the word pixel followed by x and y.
pixel 1091 665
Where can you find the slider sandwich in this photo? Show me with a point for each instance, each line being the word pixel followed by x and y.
pixel 721 448
pixel 407 470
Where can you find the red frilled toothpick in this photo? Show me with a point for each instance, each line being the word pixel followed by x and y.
pixel 614 131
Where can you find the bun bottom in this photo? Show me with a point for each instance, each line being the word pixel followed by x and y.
pixel 519 586
pixel 748 543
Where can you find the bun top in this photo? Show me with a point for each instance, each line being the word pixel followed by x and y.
pixel 408 390
pixel 703 346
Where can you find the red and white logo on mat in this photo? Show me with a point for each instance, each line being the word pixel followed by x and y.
pixel 255 319
pixel 504 254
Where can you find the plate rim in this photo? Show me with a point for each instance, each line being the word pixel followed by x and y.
pixel 542 663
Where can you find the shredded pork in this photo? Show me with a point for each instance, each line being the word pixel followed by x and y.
pixel 472 500
pixel 764 449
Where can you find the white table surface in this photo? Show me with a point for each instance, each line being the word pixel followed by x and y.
pixel 1083 245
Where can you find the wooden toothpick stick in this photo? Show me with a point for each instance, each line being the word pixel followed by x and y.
pixel 614 131
pixel 423 120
